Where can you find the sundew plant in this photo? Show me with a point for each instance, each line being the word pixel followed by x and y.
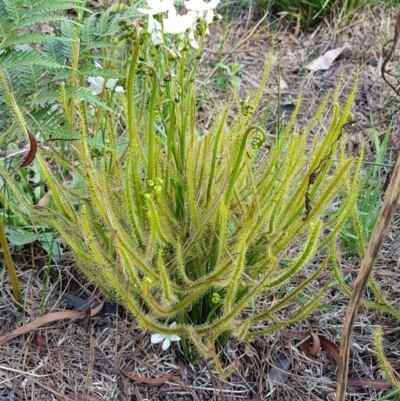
pixel 186 227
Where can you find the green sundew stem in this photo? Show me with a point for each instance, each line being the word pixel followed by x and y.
pixel 235 173
pixel 10 265
pixel 130 93
pixel 152 119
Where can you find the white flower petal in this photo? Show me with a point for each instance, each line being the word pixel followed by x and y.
pixel 96 84
pixel 119 89
pixel 213 4
pixel 192 41
pixel 156 7
pixel 156 338
pixel 196 5
pixel 111 82
pixel 166 344
pixel 209 17
pixel 174 337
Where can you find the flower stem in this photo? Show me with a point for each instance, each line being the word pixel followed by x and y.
pixel 235 173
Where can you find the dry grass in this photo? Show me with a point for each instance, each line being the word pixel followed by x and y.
pixel 85 358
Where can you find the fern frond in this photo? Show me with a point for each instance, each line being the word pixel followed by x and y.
pixel 22 58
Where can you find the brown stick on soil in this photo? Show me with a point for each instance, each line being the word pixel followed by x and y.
pixel 386 213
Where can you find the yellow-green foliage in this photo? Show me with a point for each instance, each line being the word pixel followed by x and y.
pixel 193 230
pixel 383 362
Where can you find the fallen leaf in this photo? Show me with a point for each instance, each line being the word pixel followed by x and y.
pixel 312 346
pixel 39 341
pixel 378 384
pixel 330 347
pixel 43 201
pixel 30 157
pixel 315 342
pixel 147 380
pixel 183 370
pixel 49 318
pixel 279 371
pixel 76 397
pixel 333 350
pixel 324 62
pixel 83 305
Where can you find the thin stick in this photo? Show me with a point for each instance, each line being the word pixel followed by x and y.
pixel 382 226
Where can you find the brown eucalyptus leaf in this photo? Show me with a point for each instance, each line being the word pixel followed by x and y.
pixel 325 61
pixel 39 341
pixel 333 350
pixel 148 380
pixel 378 384
pixel 30 157
pixel 49 318
pixel 43 201
pixel 330 347
pixel 312 346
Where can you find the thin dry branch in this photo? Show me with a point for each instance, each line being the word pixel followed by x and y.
pixel 382 226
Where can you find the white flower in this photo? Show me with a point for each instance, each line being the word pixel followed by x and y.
pixel 157 338
pixel 192 40
pixel 97 85
pixel 154 29
pixel 176 24
pixel 111 82
pixel 157 7
pixel 202 8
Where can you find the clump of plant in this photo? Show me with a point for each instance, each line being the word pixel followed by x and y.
pixel 186 227
pixel 307 13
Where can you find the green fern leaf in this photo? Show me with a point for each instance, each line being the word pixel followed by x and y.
pixel 34 37
pixel 18 59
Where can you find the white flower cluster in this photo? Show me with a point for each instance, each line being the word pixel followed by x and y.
pixel 176 24
pixel 97 85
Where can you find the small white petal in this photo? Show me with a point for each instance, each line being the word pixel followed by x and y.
pixel 174 337
pixel 193 42
pixel 209 17
pixel 97 64
pixel 166 344
pixel 111 82
pixel 172 325
pixel 156 338
pixel 196 5
pixel 156 7
pixel 96 84
pixel 119 89
pixel 213 4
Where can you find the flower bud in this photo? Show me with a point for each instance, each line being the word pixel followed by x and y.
pixel 215 299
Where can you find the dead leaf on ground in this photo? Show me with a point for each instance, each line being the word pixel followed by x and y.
pixel 314 343
pixel 377 384
pixel 49 318
pixel 39 341
pixel 147 380
pixel 333 350
pixel 78 397
pixel 279 372
pixel 43 201
pixel 325 61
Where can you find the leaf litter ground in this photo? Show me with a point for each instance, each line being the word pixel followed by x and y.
pixel 103 358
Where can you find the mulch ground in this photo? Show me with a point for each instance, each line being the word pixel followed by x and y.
pixel 83 359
